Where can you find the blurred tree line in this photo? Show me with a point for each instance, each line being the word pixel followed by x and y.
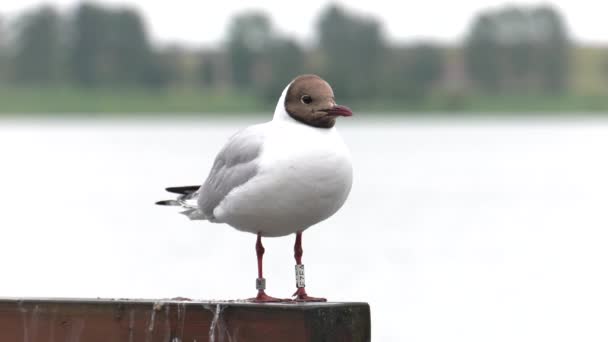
pixel 510 50
pixel 519 49
pixel 94 46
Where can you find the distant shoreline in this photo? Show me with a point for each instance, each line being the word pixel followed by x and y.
pixel 187 102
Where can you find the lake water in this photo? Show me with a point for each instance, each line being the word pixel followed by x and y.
pixel 456 229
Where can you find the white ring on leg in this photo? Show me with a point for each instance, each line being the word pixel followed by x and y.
pixel 300 281
pixel 260 284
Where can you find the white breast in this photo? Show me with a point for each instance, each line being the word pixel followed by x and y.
pixel 304 177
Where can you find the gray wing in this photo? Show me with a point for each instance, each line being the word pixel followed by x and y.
pixel 233 167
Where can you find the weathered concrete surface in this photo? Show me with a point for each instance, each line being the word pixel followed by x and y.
pixel 102 320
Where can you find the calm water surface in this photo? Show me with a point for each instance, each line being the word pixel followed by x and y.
pixel 456 230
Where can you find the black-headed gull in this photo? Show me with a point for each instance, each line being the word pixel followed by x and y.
pixel 280 177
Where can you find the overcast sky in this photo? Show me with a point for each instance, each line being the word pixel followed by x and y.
pixel 204 22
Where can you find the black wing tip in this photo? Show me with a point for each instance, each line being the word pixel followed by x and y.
pixel 183 190
pixel 167 202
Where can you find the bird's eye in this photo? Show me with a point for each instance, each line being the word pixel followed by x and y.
pixel 306 99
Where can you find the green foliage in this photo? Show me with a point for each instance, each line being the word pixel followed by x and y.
pixel 112 47
pixel 248 36
pixel 4 53
pixel 518 49
pixel 38 57
pixel 283 61
pixel 353 50
pixel 556 45
pixel 259 57
pixel 89 44
pixel 194 102
pixel 411 72
pixel 207 73
pixel 94 58
pixel 481 50
pixel 78 100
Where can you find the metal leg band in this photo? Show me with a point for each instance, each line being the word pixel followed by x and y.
pixel 300 276
pixel 260 284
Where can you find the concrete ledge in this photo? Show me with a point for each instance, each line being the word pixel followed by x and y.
pixel 102 320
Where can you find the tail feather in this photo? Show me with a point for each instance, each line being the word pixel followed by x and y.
pixel 183 190
pixel 187 199
pixel 194 214
pixel 168 202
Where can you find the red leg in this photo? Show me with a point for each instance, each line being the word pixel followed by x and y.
pixel 262 297
pixel 300 294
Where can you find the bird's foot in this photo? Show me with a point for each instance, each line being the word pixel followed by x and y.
pixel 262 297
pixel 301 296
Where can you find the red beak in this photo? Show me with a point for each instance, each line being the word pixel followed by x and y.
pixel 340 111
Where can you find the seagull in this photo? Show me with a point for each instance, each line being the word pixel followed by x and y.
pixel 280 177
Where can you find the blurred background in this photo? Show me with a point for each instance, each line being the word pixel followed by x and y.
pixel 478 210
pixel 67 56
